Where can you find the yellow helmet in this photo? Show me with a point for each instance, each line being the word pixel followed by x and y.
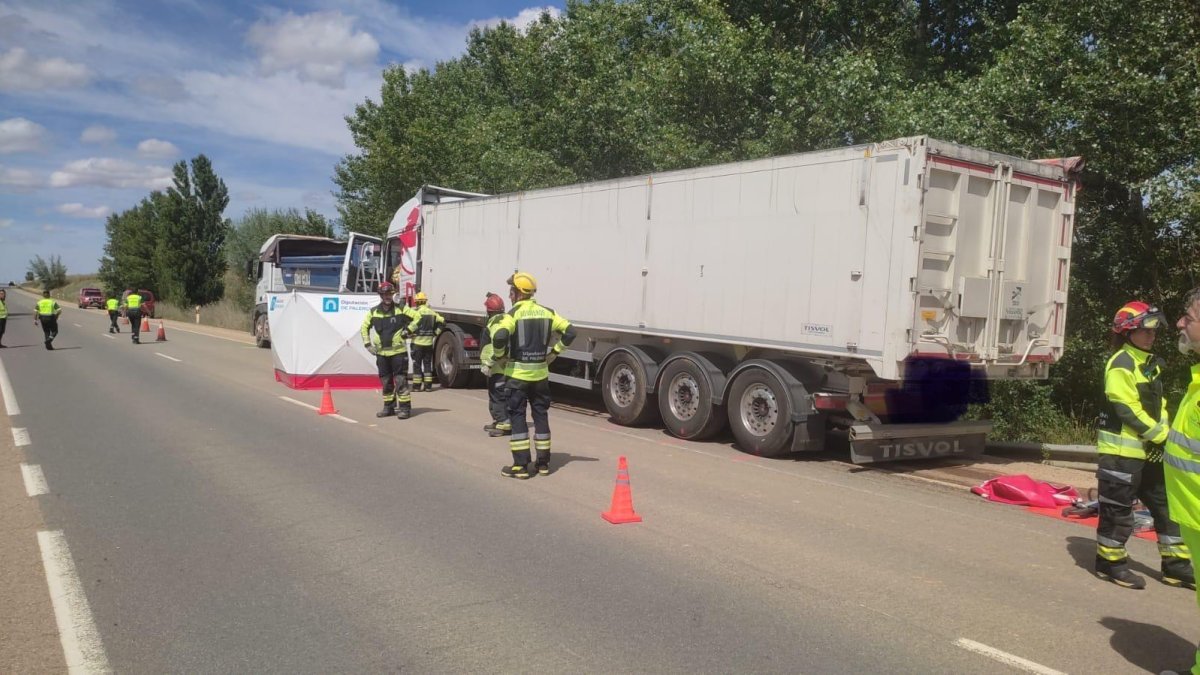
pixel 421 298
pixel 524 282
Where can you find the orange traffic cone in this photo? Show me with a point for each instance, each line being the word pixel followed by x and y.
pixel 162 333
pixel 621 510
pixel 327 402
pixel 145 324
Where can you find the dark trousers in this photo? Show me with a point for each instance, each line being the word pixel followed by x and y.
pixel 498 397
pixel 135 321
pixel 112 321
pixel 49 327
pixel 2 326
pixel 1121 480
pixel 537 396
pixel 393 373
pixel 422 365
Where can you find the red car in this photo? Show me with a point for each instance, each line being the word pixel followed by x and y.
pixel 91 297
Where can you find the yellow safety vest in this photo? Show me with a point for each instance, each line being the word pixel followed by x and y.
pixel 389 327
pixel 133 301
pixel 48 307
pixel 1137 413
pixel 426 326
pixel 1182 458
pixel 3 310
pixel 523 337
pixel 112 304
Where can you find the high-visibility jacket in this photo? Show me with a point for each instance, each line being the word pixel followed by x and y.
pixel 3 310
pixel 426 326
pixel 523 337
pixel 487 352
pixel 390 325
pixel 1182 458
pixel 133 301
pixel 48 307
pixel 1137 413
pixel 112 304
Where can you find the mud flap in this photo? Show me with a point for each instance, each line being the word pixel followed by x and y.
pixel 871 443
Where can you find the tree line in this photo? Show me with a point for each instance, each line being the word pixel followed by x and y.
pixel 614 88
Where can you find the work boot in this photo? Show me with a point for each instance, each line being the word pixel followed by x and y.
pixel 1122 577
pixel 388 411
pixel 543 468
pixel 515 471
pixel 428 386
pixel 1178 575
pixel 48 345
pixel 404 412
pixel 486 427
pixel 136 341
pixel 500 431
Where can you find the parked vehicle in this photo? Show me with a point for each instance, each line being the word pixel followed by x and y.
pixel 855 297
pixel 91 297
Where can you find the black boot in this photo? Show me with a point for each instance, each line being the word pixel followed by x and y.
pixel 1119 574
pixel 515 471
pixel 1178 572
pixel 48 345
pixel 388 410
pixel 404 412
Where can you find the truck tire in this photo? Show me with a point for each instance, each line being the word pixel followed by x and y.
pixel 626 390
pixel 262 336
pixel 685 401
pixel 760 413
pixel 449 361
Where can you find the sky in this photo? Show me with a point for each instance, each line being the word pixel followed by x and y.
pixel 99 98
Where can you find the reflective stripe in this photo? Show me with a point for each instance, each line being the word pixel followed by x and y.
pixel 1111 554
pixel 1105 541
pixel 1117 439
pixel 1168 539
pixel 1108 500
pixel 517 446
pixel 1152 432
pixel 520 437
pixel 1119 476
pixel 1167 551
pixel 1190 444
pixel 1186 465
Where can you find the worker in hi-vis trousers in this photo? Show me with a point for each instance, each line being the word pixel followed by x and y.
pixel 425 329
pixel 47 315
pixel 493 370
pixel 114 312
pixel 1130 444
pixel 390 323
pixel 524 338
pixel 133 312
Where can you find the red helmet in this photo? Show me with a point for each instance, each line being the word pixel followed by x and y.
pixel 1136 315
pixel 494 303
pixel 387 287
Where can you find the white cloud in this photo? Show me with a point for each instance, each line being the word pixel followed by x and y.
pixel 524 19
pixel 98 134
pixel 155 149
pixel 18 134
pixel 21 72
pixel 112 173
pixel 18 180
pixel 6 222
pixel 318 46
pixel 76 210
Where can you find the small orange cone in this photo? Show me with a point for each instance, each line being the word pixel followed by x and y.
pixel 327 402
pixel 162 333
pixel 145 324
pixel 621 510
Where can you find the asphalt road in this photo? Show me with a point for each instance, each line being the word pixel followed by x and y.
pixel 217 527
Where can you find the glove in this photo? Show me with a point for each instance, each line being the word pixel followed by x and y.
pixel 551 356
pixel 486 370
pixel 369 347
pixel 1154 452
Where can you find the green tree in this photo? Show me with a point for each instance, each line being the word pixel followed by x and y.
pixel 190 255
pixel 51 274
pixel 132 237
pixel 248 234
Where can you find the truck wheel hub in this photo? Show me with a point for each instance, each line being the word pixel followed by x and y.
pixel 624 386
pixel 759 409
pixel 685 396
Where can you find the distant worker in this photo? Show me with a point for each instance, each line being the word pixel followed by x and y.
pixel 390 323
pixel 3 315
pixel 425 329
pixel 133 312
pixel 114 311
pixel 1130 443
pixel 494 370
pixel 523 337
pixel 47 315
pixel 1183 441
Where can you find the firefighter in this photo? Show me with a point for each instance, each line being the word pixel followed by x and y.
pixel 523 337
pixel 425 329
pixel 133 312
pixel 114 311
pixel 47 315
pixel 3 315
pixel 390 323
pixel 494 370
pixel 1182 457
pixel 1130 443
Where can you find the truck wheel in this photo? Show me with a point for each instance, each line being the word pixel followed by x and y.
pixel 627 391
pixel 262 337
pixel 449 361
pixel 760 413
pixel 685 400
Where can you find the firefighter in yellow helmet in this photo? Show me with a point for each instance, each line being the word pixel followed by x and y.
pixel 1130 442
pixel 1182 457
pixel 425 329
pixel 390 323
pixel 525 337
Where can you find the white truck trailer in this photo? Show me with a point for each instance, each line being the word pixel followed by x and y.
pixel 851 297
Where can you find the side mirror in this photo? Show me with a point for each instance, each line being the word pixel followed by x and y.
pixel 250 268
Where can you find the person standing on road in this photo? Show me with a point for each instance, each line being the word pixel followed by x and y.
pixel 523 337
pixel 425 329
pixel 493 370
pixel 133 312
pixel 47 315
pixel 114 311
pixel 1130 443
pixel 3 315
pixel 1182 455
pixel 390 323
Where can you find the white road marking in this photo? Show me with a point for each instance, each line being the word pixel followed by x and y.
pixel 1006 658
pixel 108 336
pixel 10 398
pixel 169 358
pixel 77 325
pixel 76 628
pixel 302 404
pixel 35 480
pixel 20 436
pixel 219 337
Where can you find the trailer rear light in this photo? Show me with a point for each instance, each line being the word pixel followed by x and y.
pixel 823 401
pixel 469 342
